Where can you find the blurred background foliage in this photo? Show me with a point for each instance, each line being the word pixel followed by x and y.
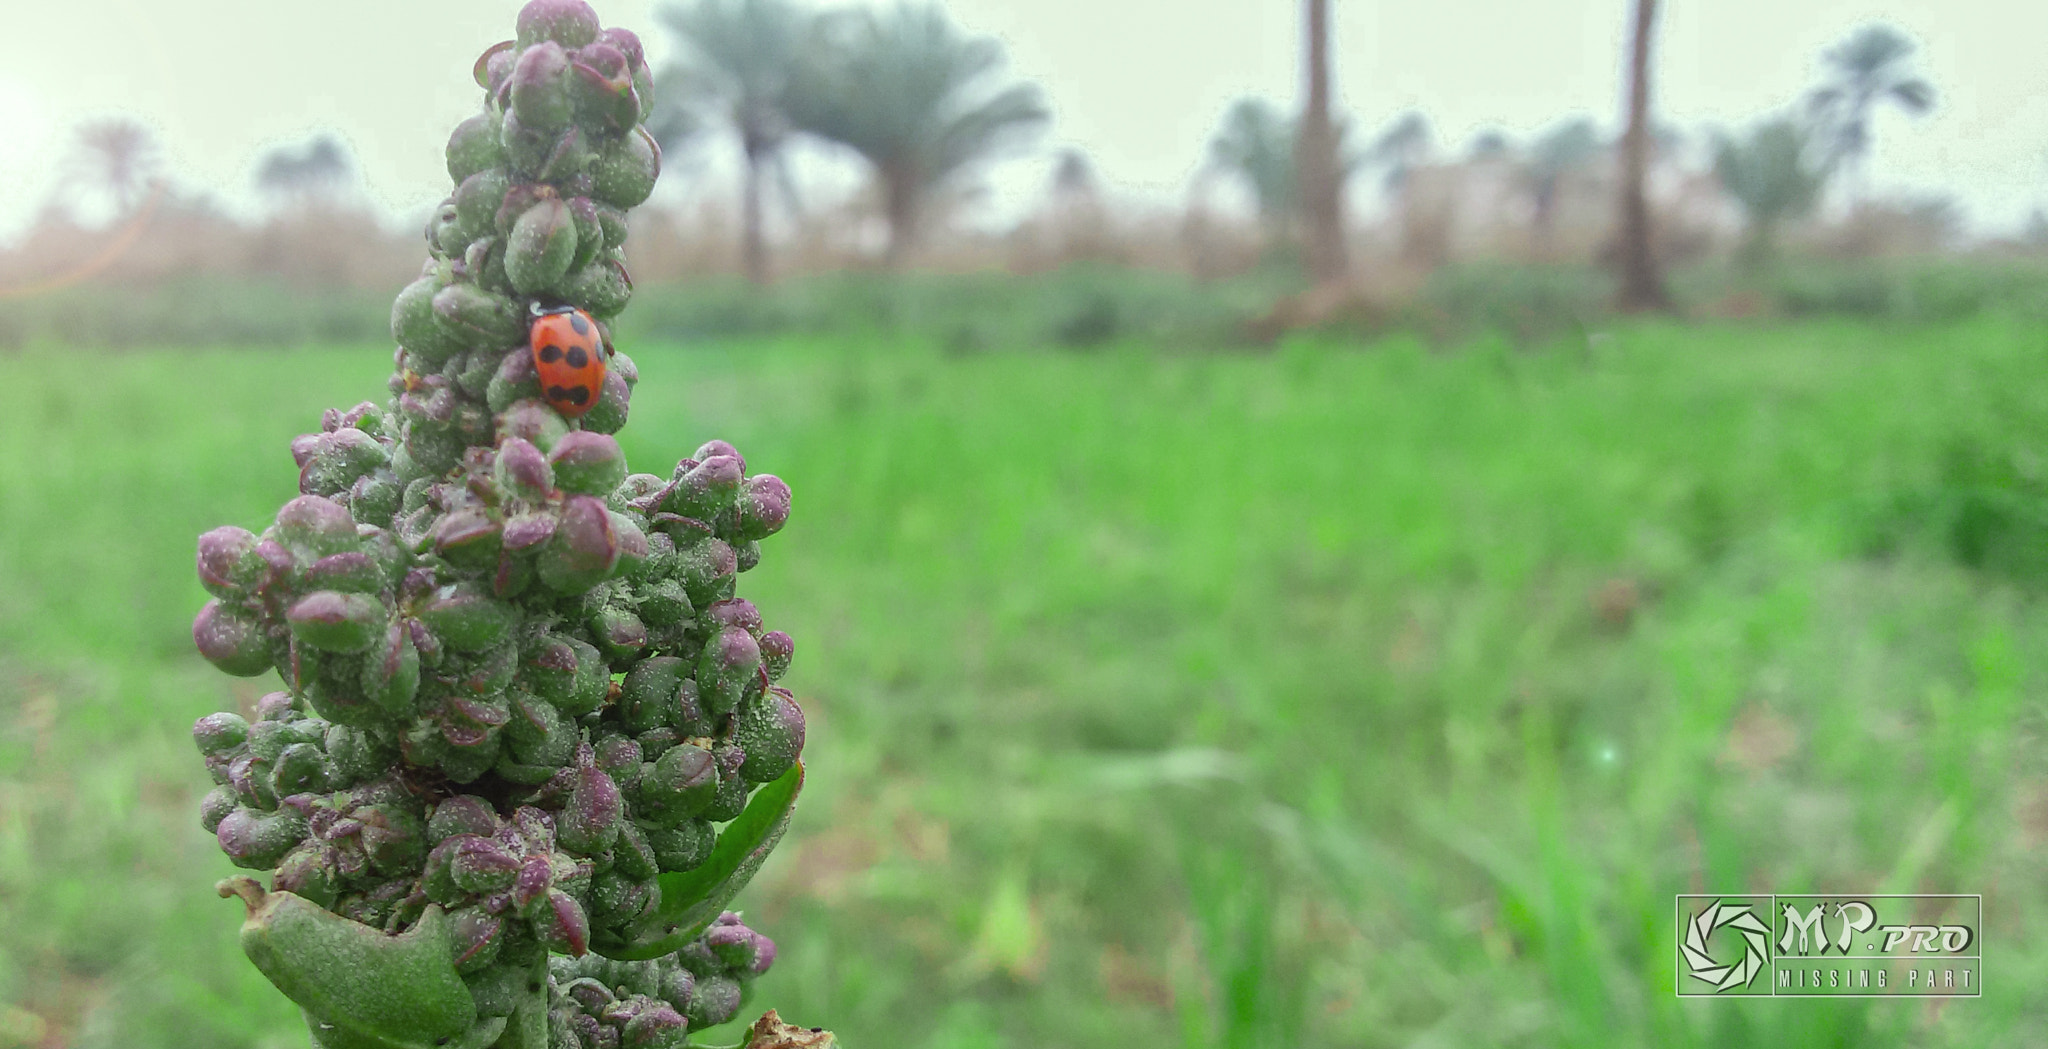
pixel 1200 652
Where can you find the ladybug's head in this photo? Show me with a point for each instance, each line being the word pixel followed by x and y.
pixel 536 310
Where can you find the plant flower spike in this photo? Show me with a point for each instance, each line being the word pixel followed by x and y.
pixel 530 743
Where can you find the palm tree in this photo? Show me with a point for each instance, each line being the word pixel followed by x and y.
pixel 1642 287
pixel 313 173
pixel 1556 155
pixel 921 102
pixel 740 60
pixel 1874 65
pixel 1405 144
pixel 1772 173
pixel 1318 164
pixel 1255 146
pixel 119 157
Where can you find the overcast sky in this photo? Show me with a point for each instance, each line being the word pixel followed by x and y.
pixel 1137 84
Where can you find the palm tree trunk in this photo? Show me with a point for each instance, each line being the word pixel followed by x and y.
pixel 753 243
pixel 1642 287
pixel 899 192
pixel 1315 158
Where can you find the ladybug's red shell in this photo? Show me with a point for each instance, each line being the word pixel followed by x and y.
pixel 570 358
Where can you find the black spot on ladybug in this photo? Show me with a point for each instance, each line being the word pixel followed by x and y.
pixel 551 353
pixel 558 393
pixel 579 395
pixel 577 322
pixel 577 357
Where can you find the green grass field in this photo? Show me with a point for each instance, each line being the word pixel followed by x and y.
pixel 1343 696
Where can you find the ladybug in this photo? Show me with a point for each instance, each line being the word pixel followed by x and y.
pixel 570 357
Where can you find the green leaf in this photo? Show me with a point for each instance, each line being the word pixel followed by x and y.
pixel 691 900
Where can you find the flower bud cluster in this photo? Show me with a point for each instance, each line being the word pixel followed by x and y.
pixel 599 1003
pixel 519 687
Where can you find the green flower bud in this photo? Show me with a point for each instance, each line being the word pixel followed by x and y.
pixel 715 1000
pixel 770 730
pixel 590 237
pixel 731 662
pixel 351 572
pixel 477 200
pixel 561 925
pixel 474 148
pixel 357 754
pixel 538 734
pixel 632 855
pixel 658 1026
pixel 587 463
pixel 613 221
pixel 683 847
pixel 567 673
pixel 608 415
pixel 542 246
pixel 706 569
pixel 306 871
pixel 589 823
pixel 706 489
pixel 312 528
pixel 532 420
pixel 584 549
pixel 301 769
pixel 731 798
pixel 601 288
pixel 522 471
pixel 413 323
pixel 220 733
pixel 649 697
pixel 467 618
pixel 544 154
pixel 601 82
pixel 336 622
pixel 540 86
pixel 471 316
pixel 215 806
pixel 391 674
pixel 475 936
pixel 469 538
pixel 676 786
pixel 626 169
pixel 231 640
pixel 258 840
pixel 663 603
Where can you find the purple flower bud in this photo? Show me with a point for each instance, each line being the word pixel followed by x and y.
pixel 522 470
pixel 302 448
pixel 468 538
pixel 764 954
pixel 479 865
pixel 391 676
pixel 336 622
pixel 601 81
pixel 220 551
pixel 776 651
pixel 614 402
pixel 771 731
pixel 764 506
pixel 628 44
pixel 231 640
pixel 619 631
pixel 587 463
pixel 656 1027
pixel 732 944
pixel 467 618
pixel 258 840
pixel 562 926
pixel 589 823
pixel 729 664
pixel 584 549
pixel 707 567
pixel 274 706
pixel 307 871
pixel 734 611
pixel 570 23
pixel 677 786
pixel 220 733
pixel 499 54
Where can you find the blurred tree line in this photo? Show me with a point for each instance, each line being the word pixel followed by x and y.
pixel 923 107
